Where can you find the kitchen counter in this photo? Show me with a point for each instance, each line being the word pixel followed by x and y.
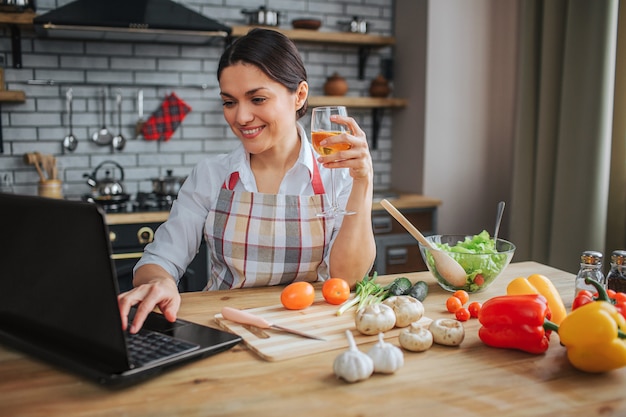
pixel 401 201
pixel 469 380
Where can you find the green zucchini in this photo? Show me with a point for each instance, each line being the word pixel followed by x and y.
pixel 419 290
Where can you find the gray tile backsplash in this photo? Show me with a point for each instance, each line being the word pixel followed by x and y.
pixel 88 67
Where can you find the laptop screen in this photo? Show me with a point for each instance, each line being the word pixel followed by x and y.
pixel 58 287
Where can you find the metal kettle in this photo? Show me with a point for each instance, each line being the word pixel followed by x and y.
pixel 107 186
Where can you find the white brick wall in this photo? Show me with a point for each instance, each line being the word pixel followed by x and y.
pixel 87 67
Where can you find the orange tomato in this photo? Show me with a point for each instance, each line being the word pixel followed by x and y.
pixel 453 304
pixel 297 295
pixel 335 291
pixel 462 295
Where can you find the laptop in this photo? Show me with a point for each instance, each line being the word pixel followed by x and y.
pixel 58 297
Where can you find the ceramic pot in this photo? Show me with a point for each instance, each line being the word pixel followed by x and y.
pixel 335 85
pixel 380 87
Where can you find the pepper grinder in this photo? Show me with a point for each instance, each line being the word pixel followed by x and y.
pixel 616 278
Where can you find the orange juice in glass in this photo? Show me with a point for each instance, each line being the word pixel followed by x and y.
pixel 323 127
pixel 317 137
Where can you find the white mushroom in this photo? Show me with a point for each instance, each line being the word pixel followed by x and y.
pixel 387 357
pixel 416 338
pixel 374 319
pixel 406 308
pixel 448 332
pixel 353 365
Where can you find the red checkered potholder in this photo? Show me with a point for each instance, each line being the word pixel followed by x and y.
pixel 164 121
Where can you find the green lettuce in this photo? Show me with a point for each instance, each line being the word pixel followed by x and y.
pixel 488 266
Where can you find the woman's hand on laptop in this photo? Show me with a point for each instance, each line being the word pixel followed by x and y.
pixel 153 288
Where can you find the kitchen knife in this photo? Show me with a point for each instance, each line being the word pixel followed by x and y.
pixel 243 317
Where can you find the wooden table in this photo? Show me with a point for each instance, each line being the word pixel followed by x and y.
pixel 470 380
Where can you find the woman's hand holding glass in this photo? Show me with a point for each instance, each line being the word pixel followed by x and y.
pixel 328 124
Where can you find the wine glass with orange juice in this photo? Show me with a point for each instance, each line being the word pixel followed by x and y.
pixel 321 128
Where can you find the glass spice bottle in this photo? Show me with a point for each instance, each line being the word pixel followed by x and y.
pixel 590 267
pixel 616 278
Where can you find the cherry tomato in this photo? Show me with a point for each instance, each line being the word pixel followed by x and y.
pixel 479 280
pixel 297 295
pixel 462 314
pixel 620 297
pixel 335 290
pixel 583 297
pixel 462 295
pixel 474 308
pixel 611 293
pixel 453 304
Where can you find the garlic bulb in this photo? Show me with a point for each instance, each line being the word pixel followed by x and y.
pixel 387 358
pixel 353 365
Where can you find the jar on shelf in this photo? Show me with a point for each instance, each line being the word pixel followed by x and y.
pixel 590 267
pixel 616 278
pixel 335 85
pixel 379 87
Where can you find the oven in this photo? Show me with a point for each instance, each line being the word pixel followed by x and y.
pixel 128 242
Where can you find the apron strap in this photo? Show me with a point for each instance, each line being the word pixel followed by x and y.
pixel 232 181
pixel 316 180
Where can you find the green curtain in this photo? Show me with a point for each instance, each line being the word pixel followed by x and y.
pixel 563 130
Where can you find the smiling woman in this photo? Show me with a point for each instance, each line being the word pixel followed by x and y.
pixel 257 206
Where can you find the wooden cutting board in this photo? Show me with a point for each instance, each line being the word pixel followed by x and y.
pixel 319 319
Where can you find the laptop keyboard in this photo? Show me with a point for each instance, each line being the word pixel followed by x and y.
pixel 147 346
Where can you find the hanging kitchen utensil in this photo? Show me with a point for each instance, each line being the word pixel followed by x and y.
pixel 140 121
pixel 119 141
pixel 103 136
pixel 243 317
pixel 69 142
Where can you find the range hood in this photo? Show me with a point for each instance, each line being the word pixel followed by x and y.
pixel 129 20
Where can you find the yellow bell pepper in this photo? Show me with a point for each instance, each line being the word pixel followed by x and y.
pixel 540 284
pixel 593 335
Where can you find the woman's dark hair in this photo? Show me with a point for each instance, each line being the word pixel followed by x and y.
pixel 271 52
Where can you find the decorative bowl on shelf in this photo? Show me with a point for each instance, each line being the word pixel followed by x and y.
pixel 310 24
pixel 336 85
pixel 482 267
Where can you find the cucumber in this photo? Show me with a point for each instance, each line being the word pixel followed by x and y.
pixel 399 286
pixel 419 290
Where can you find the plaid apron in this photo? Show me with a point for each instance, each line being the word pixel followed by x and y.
pixel 258 239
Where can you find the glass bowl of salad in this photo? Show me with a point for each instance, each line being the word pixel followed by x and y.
pixel 481 257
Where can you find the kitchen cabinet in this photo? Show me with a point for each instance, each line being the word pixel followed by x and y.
pixel 396 250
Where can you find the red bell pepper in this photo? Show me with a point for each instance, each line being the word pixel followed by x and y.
pixel 516 322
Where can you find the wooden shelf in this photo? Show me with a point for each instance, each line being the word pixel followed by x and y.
pixel 22 19
pixel 14 96
pixel 305 35
pixel 357 102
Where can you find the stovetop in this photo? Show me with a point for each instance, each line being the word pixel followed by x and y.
pixel 140 203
